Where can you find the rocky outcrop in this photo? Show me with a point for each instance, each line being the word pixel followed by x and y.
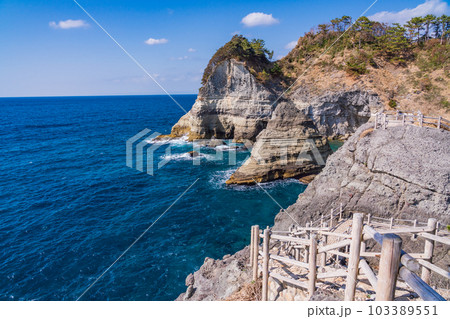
pixel 400 172
pixel 231 105
pixel 218 279
pixel 337 113
pixel 290 147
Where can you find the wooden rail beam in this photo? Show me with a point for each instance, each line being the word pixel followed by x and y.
pixel 419 286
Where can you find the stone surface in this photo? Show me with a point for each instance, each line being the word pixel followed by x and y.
pixel 234 105
pixel 218 279
pixel 290 147
pixel 231 105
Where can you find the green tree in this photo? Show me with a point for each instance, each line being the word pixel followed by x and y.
pixel 414 26
pixel 444 22
pixel 394 44
pixel 428 21
pixel 363 30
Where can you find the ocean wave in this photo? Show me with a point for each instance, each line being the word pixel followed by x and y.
pixel 183 140
pixel 186 156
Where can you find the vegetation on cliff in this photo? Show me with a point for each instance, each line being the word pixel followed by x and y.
pixel 253 53
pixel 416 56
pixel 418 53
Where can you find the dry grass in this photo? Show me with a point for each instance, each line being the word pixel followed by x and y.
pixel 248 292
pixel 365 133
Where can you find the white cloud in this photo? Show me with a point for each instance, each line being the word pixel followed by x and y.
pixel 436 7
pixel 191 50
pixel 258 18
pixel 180 58
pixel 68 24
pixel 291 45
pixel 152 41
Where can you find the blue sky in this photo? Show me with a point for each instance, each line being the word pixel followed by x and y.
pixel 52 48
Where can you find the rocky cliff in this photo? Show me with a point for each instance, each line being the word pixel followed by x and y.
pixel 401 172
pixel 290 147
pixel 234 104
pixel 231 105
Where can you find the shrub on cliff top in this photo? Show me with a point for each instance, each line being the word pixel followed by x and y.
pixel 253 52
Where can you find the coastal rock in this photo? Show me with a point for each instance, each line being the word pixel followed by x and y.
pixel 290 147
pixel 337 113
pixel 193 153
pixel 231 105
pixel 218 279
pixel 400 172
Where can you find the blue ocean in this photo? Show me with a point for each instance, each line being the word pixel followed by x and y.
pixel 70 206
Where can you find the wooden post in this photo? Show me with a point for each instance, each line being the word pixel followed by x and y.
pixel 428 252
pixel 421 119
pixel 353 262
pixel 368 219
pixel 323 256
pixel 265 268
pixel 376 121
pixel 439 122
pixel 306 247
pixel 331 219
pixel 312 265
pixel 389 263
pixel 391 223
pixel 414 236
pixel 363 246
pixel 403 120
pixel 255 252
pixel 252 238
pixel 437 228
pixel 384 121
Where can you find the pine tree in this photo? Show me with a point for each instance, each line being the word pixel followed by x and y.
pixel 415 25
pixel 428 21
pixel 394 43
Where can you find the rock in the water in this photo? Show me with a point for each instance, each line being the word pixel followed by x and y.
pixel 193 153
pixel 290 147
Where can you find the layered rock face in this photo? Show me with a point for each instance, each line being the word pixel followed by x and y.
pixel 290 147
pixel 231 105
pixel 401 172
pixel 337 113
pixel 289 134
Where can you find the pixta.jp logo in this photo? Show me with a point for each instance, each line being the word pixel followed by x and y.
pixel 140 151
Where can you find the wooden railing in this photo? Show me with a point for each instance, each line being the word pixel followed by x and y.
pixel 385 119
pixel 310 247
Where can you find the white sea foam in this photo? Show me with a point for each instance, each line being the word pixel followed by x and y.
pixel 183 140
pixel 186 157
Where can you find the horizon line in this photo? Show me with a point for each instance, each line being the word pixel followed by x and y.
pixel 96 95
